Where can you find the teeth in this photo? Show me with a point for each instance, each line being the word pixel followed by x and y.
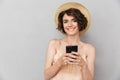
pixel 71 29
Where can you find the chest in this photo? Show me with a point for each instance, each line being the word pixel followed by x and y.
pixel 82 50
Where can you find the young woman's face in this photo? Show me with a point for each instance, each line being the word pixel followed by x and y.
pixel 70 25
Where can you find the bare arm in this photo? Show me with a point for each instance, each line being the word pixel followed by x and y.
pixel 52 69
pixel 88 67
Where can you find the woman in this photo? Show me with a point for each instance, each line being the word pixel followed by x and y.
pixel 73 20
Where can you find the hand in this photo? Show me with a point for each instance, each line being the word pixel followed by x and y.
pixel 69 58
pixel 63 60
pixel 75 58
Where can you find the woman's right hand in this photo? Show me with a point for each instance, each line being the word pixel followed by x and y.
pixel 68 58
pixel 63 60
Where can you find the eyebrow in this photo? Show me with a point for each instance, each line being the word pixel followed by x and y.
pixel 67 19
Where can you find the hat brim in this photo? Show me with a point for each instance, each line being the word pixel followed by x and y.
pixel 78 6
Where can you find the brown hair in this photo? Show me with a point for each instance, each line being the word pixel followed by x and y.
pixel 81 19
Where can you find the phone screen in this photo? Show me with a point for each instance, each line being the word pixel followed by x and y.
pixel 70 48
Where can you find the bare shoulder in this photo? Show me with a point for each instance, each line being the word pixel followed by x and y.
pixel 90 49
pixel 53 42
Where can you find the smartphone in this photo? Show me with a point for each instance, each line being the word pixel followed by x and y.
pixel 70 48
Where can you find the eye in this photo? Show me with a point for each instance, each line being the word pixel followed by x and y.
pixel 74 20
pixel 65 21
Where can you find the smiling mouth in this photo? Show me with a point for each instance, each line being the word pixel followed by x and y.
pixel 71 29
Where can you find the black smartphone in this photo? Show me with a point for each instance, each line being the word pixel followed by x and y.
pixel 70 48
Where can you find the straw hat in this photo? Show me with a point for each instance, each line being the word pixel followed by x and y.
pixel 78 6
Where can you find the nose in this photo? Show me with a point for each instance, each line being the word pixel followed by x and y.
pixel 70 24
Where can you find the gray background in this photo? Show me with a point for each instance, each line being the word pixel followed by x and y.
pixel 26 26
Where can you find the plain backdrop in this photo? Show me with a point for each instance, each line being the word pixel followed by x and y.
pixel 26 26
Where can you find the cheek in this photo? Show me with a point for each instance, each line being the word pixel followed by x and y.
pixel 75 24
pixel 64 28
pixel 64 25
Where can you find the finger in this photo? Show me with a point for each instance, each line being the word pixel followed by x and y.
pixel 70 62
pixel 75 53
pixel 72 56
pixel 71 59
pixel 65 62
pixel 67 54
pixel 78 60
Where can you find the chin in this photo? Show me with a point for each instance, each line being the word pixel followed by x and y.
pixel 71 34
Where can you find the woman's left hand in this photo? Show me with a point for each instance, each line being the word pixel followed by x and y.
pixel 75 58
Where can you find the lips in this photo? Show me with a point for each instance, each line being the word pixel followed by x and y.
pixel 71 29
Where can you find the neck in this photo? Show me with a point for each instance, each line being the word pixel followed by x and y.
pixel 73 40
